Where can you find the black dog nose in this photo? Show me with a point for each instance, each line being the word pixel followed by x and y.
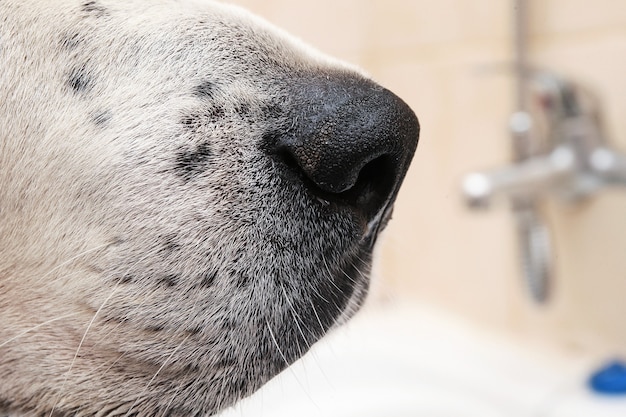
pixel 353 141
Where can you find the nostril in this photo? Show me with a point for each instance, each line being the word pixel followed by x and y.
pixel 373 185
pixel 287 158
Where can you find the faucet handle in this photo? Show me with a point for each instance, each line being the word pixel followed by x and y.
pixel 609 165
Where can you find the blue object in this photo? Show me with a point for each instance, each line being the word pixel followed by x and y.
pixel 610 379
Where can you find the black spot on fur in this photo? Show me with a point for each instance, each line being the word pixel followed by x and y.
pixel 70 41
pixel 215 113
pixel 229 324
pixel 191 122
pixel 126 279
pixel 169 280
pixel 272 111
pixel 102 118
pixel 270 138
pixel 268 143
pixel 79 80
pixel 169 244
pixel 226 362
pixel 114 320
pixel 154 328
pixel 194 330
pixel 93 8
pixel 208 279
pixel 243 109
pixel 195 121
pixel 242 281
pixel 205 89
pixel 190 163
pixel 191 368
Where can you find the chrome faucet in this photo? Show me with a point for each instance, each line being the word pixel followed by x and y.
pixel 568 156
pixel 578 161
pixel 559 149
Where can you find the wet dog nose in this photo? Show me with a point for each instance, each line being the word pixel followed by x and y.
pixel 353 142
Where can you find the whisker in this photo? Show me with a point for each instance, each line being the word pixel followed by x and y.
pixel 110 365
pixel 169 404
pixel 330 274
pixel 288 365
pixel 107 334
pixel 180 386
pixel 295 319
pixel 296 316
pixel 352 280
pixel 365 264
pixel 332 281
pixel 188 320
pixel 70 260
pixel 6 342
pixel 317 292
pixel 317 317
pixel 67 374
pixel 276 343
pixel 157 373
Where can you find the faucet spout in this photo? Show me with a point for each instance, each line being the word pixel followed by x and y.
pixel 527 179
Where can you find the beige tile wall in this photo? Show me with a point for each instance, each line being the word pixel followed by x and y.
pixel 447 59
